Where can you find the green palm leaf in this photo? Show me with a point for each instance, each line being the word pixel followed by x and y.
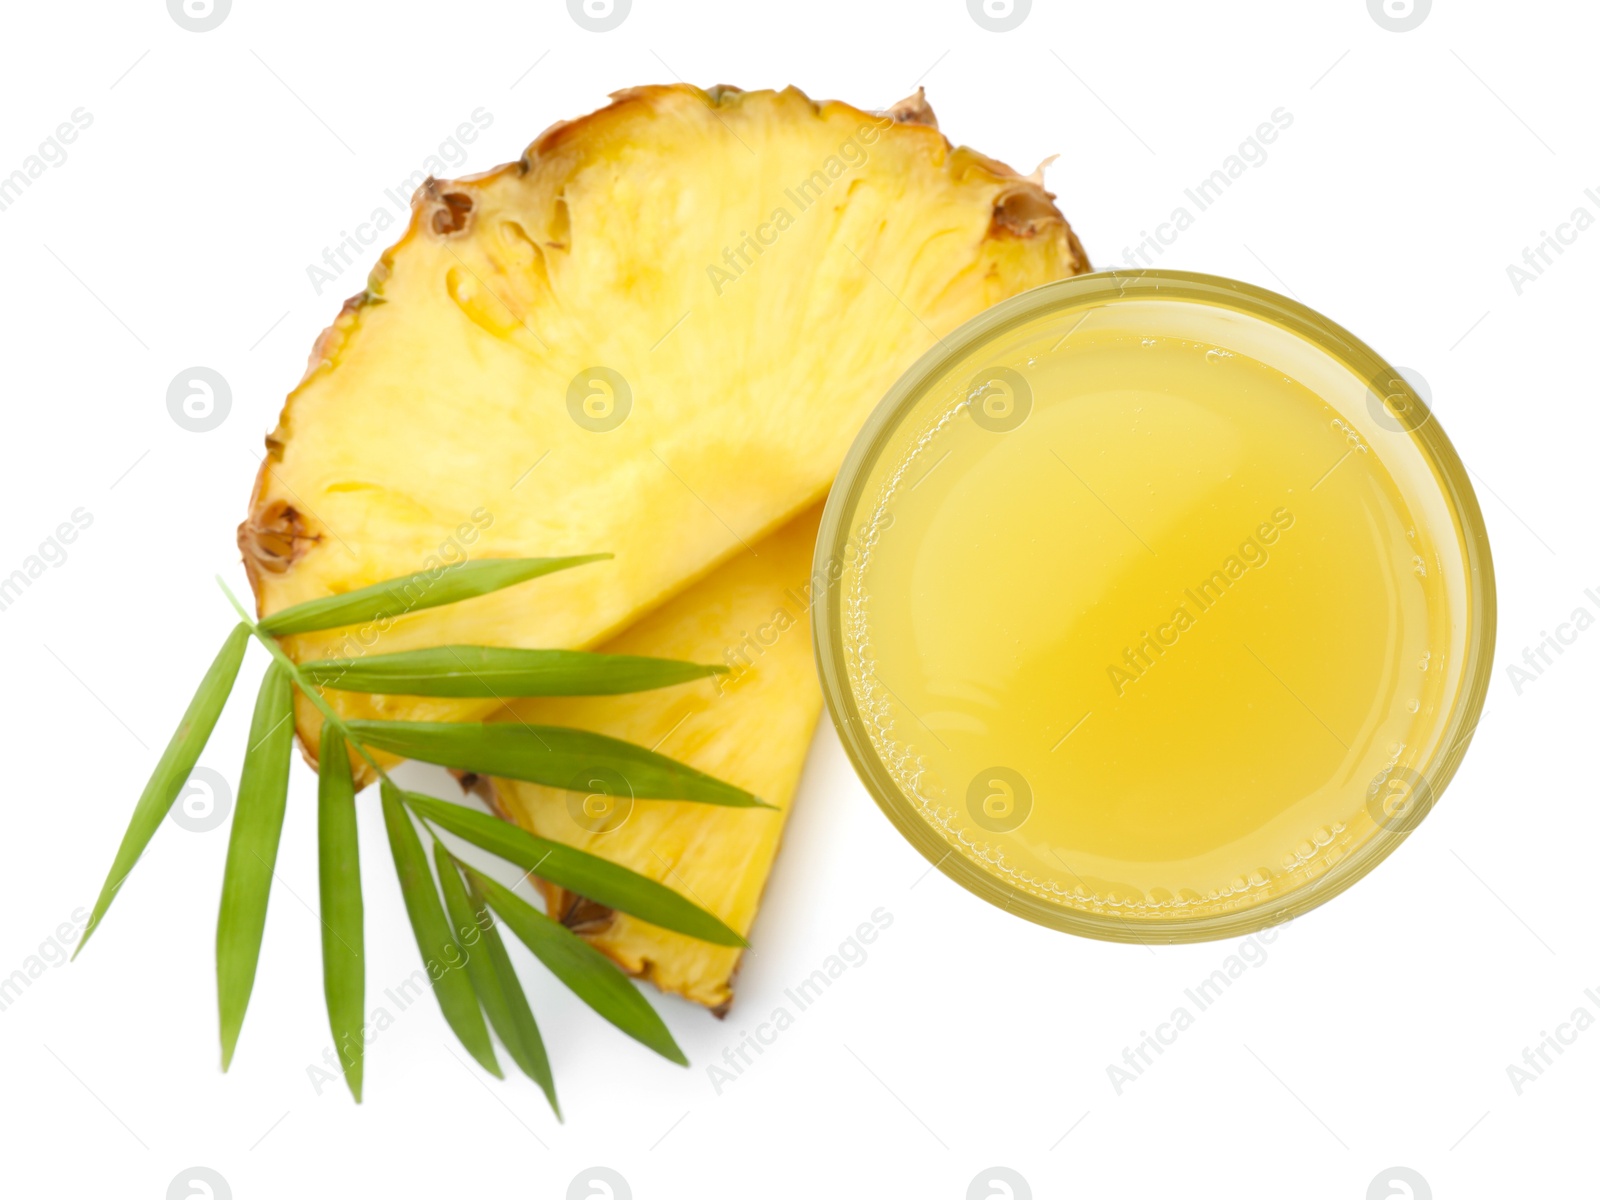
pixel 339 879
pixel 591 976
pixel 500 673
pixel 586 874
pixel 172 771
pixel 441 956
pixel 252 851
pixel 554 756
pixel 473 927
pixel 535 1063
pixel 412 593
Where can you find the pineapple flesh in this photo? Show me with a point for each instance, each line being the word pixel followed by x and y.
pixel 751 727
pixel 655 334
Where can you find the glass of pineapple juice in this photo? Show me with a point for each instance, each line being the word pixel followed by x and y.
pixel 1154 607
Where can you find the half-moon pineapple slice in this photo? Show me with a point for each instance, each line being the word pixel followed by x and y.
pixel 750 727
pixel 655 334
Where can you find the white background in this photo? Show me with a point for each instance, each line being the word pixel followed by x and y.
pixel 1377 1033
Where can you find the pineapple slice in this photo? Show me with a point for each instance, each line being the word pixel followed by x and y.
pixel 750 727
pixel 655 334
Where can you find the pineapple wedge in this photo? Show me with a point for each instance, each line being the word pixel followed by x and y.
pixel 751 727
pixel 655 334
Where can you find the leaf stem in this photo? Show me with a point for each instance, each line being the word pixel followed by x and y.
pixel 308 690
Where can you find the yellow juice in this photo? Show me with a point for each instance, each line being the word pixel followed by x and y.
pixel 1154 613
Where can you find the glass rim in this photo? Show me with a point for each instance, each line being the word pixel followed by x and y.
pixel 833 539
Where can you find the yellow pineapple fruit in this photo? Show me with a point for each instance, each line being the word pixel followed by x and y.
pixel 655 334
pixel 750 727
